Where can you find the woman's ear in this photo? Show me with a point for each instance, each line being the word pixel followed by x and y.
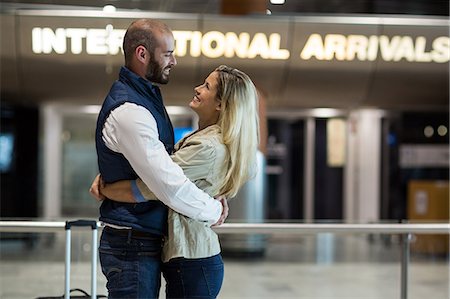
pixel 219 105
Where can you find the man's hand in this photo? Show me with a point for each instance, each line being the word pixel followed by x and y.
pixel 95 188
pixel 225 210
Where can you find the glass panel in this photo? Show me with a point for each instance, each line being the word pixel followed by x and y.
pixel 79 165
pixel 285 168
pixel 183 124
pixel 329 177
pixel 416 154
pixel 309 266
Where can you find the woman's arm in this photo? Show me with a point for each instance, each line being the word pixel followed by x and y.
pixel 95 188
pixel 119 191
pixel 122 191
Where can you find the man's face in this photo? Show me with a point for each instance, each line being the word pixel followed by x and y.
pixel 162 60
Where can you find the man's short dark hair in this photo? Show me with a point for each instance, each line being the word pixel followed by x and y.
pixel 143 32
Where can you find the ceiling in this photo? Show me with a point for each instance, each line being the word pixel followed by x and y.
pixel 416 7
pixel 294 84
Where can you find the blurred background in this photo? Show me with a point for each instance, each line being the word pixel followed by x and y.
pixel 354 100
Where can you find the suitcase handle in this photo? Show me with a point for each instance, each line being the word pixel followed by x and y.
pixel 91 223
pixel 85 223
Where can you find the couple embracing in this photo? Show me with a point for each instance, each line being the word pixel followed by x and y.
pixel 157 197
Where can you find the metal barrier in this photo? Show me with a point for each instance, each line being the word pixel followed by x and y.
pixel 405 229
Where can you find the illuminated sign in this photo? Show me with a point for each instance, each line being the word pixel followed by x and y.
pixel 351 47
pixel 212 44
pixel 215 44
pixel 97 41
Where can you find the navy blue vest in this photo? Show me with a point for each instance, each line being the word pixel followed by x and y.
pixel 149 216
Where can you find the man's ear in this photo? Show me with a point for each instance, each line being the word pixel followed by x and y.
pixel 141 53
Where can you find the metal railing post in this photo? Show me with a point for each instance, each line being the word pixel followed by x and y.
pixel 94 265
pixel 404 266
pixel 67 265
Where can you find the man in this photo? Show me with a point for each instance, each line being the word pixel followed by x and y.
pixel 133 137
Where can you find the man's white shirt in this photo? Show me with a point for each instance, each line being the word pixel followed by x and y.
pixel 131 130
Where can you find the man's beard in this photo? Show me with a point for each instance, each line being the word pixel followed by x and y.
pixel 155 73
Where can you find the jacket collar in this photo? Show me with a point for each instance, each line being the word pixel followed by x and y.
pixel 143 86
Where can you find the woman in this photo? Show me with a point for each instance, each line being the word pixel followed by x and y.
pixel 219 158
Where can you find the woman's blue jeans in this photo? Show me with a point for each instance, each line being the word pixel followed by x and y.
pixel 132 265
pixel 193 278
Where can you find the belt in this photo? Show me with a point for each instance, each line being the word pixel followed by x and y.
pixel 132 233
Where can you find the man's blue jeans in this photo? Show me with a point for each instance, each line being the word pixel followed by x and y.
pixel 132 265
pixel 193 278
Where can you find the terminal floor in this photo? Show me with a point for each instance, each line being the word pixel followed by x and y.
pixel 323 266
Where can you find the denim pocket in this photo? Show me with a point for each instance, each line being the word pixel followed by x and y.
pixel 120 271
pixel 194 278
pixel 213 275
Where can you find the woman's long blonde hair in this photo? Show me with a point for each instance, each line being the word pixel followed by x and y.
pixel 239 123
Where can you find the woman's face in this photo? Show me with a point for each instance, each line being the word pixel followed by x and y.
pixel 205 102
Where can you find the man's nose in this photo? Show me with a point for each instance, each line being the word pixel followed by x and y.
pixel 174 60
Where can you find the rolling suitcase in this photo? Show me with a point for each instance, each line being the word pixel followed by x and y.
pixel 72 293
